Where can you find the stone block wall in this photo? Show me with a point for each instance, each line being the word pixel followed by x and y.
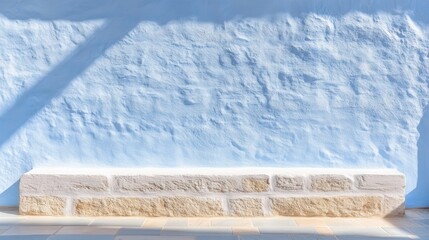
pixel 212 192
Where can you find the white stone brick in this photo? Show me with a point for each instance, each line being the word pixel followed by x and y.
pixel 59 185
pixel 380 182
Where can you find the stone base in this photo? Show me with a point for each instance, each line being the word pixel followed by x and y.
pixel 213 192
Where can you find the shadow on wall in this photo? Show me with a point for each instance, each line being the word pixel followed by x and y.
pixel 420 195
pixel 122 16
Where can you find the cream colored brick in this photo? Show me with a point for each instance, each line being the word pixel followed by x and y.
pixel 329 183
pixel 289 183
pixel 381 182
pixel 41 205
pixel 256 183
pixel 246 207
pixel 150 207
pixel 150 184
pixel 193 207
pixel 329 206
pixel 51 184
pixel 190 183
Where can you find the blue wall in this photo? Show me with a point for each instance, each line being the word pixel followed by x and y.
pixel 219 83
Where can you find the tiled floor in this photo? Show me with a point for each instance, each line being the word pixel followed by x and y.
pixel 415 225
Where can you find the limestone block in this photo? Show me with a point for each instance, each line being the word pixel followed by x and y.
pixel 289 183
pixel 151 184
pixel 193 207
pixel 381 182
pixel 330 183
pixel 328 206
pixel 150 207
pixel 41 205
pixel 256 183
pixel 190 183
pixel 246 207
pixel 51 184
pixel 120 206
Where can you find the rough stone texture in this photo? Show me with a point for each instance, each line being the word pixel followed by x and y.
pixel 150 207
pixel 51 184
pixel 256 184
pixel 329 206
pixel 380 182
pixel 246 207
pixel 150 184
pixel 329 183
pixel 394 206
pixel 41 205
pixel 192 207
pixel 289 183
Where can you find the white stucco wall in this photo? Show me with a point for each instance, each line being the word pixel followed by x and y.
pixel 213 84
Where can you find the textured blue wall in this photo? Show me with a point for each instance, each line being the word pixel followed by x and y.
pixel 177 83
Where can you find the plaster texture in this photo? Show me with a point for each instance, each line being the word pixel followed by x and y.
pixel 214 83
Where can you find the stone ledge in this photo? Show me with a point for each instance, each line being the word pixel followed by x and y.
pixel 213 192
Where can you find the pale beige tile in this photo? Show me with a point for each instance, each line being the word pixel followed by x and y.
pixel 65 221
pixel 155 238
pixel 176 222
pixel 155 222
pixel 196 231
pixel 274 222
pixel 199 222
pixel 326 231
pixel 310 222
pixel 8 221
pixel 118 221
pixel 80 230
pixel 245 230
pixel 31 230
pixel 231 222
pixel 359 231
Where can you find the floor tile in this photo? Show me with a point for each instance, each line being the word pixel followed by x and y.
pixel 199 222
pixel 176 223
pixel 139 231
pixel 196 231
pixel 274 222
pixel 242 222
pixel 31 230
pixel 155 238
pixel 217 238
pixel 263 237
pixel 326 231
pixel 82 237
pixel 25 237
pixel 360 231
pixel 85 230
pixel 313 222
pixel 155 222
pixel 245 230
pixel 9 221
pixel 63 221
pixel 398 232
pixel 122 221
pixel 419 231
pixel 288 230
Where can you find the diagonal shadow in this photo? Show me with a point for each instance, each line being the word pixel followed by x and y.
pixel 55 81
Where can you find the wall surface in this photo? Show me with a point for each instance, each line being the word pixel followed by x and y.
pixel 214 83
